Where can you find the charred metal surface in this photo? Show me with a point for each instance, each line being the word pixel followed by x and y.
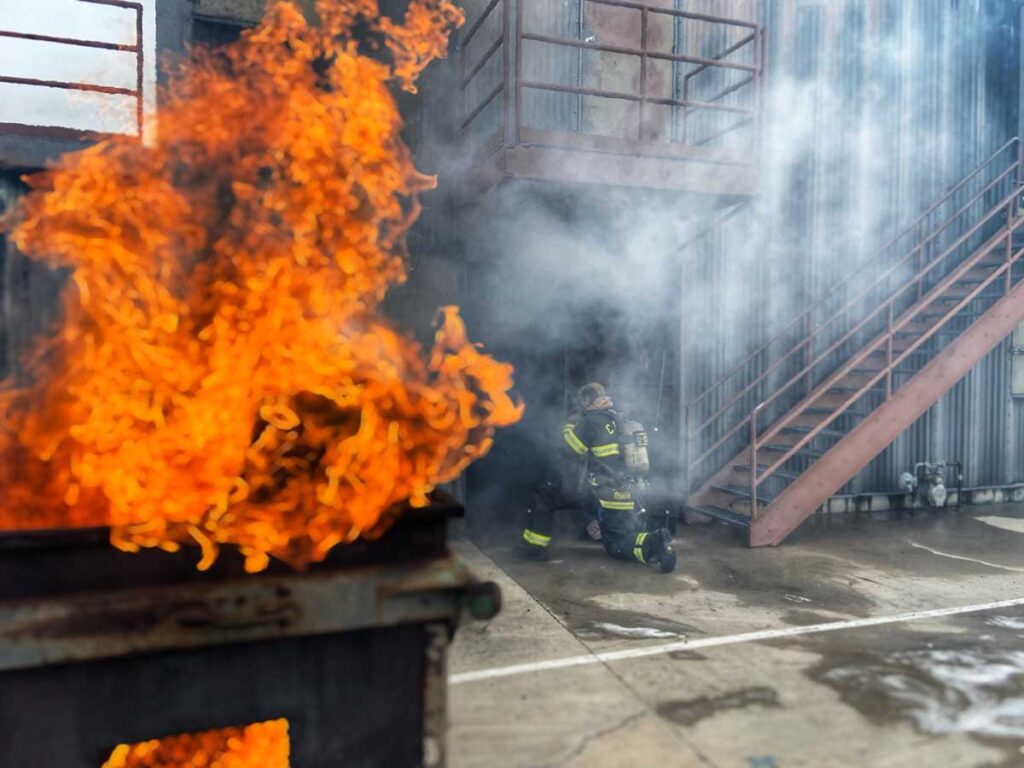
pixel 435 696
pixel 76 561
pixel 352 652
pixel 354 699
pixel 114 623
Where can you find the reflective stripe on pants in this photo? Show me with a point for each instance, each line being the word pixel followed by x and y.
pixel 638 547
pixel 536 539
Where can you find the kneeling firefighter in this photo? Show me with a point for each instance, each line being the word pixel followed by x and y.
pixel 607 451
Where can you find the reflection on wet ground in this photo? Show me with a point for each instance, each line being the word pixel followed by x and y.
pixel 1007 622
pixel 969 681
pixel 690 711
pixel 940 691
pixel 955 678
pixel 603 629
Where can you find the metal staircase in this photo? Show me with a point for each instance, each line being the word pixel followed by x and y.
pixel 772 439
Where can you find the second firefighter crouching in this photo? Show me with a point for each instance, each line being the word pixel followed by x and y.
pixel 596 477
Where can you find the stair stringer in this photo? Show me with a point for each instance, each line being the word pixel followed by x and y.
pixel 884 424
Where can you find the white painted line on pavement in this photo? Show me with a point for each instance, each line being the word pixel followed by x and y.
pixel 968 559
pixel 711 642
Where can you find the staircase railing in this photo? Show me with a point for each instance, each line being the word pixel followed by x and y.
pixel 897 318
pixel 712 428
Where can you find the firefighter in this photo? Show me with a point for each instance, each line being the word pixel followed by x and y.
pixel 594 441
pixel 563 488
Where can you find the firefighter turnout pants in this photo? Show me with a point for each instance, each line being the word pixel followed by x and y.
pixel 622 528
pixel 540 520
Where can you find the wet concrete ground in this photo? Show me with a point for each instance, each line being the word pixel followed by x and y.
pixel 946 691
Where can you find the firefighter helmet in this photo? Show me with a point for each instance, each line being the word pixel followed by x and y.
pixel 589 393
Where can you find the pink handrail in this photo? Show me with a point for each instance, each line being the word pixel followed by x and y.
pixel 803 317
pixel 817 331
pixel 807 316
pixel 892 328
pixel 912 281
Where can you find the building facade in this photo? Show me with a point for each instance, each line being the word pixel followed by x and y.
pixel 663 241
pixel 639 192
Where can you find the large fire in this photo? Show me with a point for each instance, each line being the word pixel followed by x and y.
pixel 222 374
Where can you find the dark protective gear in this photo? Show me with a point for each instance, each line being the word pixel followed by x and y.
pixel 596 437
pixel 626 539
pixel 540 519
pixel 661 552
pixel 529 550
pixel 563 488
pixel 594 440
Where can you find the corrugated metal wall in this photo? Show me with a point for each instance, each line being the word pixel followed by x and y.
pixel 29 294
pixel 874 108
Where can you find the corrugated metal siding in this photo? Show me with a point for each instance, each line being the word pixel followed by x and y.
pixel 29 292
pixel 876 107
pixel 478 86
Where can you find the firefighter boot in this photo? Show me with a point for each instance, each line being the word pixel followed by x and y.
pixel 658 551
pixel 533 545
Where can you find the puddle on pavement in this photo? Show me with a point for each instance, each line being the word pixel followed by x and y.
pixel 972 690
pixel 605 628
pixel 796 579
pixel 592 622
pixel 691 711
pixel 687 656
pixel 1006 622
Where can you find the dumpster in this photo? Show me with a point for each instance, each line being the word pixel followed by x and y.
pixel 100 648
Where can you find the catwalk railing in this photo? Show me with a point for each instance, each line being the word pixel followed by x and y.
pixel 671 91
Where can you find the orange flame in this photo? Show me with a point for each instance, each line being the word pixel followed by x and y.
pixel 260 745
pixel 222 373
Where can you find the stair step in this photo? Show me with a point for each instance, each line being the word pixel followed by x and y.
pixel 784 474
pixel 855 381
pixel 828 411
pixel 995 259
pixel 913 328
pixel 778 450
pixel 725 515
pixel 809 418
pixel 846 391
pixel 939 312
pixel 949 297
pixel 981 271
pixel 834 398
pixel 804 452
pixel 952 295
pixel 742 493
pixel 876 371
pixel 869 366
pixel 898 348
pixel 784 441
pixel 800 430
pixel 970 279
